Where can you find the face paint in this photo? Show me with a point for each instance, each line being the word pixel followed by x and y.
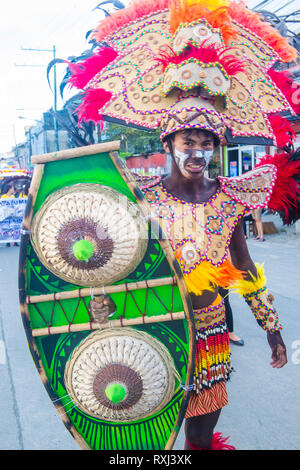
pixel 181 158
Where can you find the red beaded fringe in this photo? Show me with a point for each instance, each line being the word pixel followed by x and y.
pixel 212 365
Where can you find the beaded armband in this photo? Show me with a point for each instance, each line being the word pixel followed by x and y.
pixel 256 295
pixel 261 304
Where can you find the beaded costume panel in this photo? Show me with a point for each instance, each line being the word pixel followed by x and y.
pixel 202 231
pixel 199 231
pixel 252 189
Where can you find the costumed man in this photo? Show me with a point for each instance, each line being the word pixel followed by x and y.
pixel 202 71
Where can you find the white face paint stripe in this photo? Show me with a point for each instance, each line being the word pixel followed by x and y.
pixel 181 158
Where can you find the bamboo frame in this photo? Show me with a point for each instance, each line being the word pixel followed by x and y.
pixel 76 152
pixel 119 322
pixel 91 291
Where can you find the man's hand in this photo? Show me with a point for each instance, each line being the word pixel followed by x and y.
pixel 101 308
pixel 279 357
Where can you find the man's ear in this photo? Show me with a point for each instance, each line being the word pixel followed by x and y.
pixel 166 147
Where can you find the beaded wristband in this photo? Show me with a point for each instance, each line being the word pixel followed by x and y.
pixel 261 305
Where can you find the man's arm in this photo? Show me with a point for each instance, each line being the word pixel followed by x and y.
pixel 241 260
pixel 239 252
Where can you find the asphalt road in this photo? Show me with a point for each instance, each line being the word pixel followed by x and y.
pixel 264 408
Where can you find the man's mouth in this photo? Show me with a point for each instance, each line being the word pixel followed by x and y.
pixel 195 167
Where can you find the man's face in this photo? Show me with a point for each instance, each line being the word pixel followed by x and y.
pixel 192 152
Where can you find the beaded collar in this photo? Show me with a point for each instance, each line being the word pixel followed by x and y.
pixel 192 204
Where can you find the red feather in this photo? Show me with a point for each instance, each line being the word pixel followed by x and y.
pixel 286 192
pixel 93 102
pixel 206 53
pixel 84 71
pixel 220 443
pixel 282 129
pixel 288 86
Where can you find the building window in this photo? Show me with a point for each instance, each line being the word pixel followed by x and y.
pixel 242 158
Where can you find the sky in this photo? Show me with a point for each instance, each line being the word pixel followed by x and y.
pixel 35 24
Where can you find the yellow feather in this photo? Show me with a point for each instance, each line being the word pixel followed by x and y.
pixel 259 281
pixel 210 4
pixel 200 279
pixel 207 277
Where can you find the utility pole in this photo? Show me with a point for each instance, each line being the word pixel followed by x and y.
pixel 53 50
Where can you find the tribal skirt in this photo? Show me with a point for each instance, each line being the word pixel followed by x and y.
pixel 212 365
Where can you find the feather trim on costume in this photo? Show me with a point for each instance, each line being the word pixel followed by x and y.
pixel 207 277
pixel 288 86
pixel 83 72
pixel 221 443
pixel 93 101
pixel 183 11
pixel 285 197
pixel 244 287
pixel 207 53
pixel 255 23
pixel 122 18
pixel 283 131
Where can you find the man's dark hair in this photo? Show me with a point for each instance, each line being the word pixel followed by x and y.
pixel 188 132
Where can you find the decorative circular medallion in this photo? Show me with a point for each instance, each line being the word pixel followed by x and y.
pixel 186 74
pixel 189 253
pixel 120 375
pixel 156 98
pixel 254 198
pixel 149 78
pixel 201 31
pixel 89 235
pixel 218 81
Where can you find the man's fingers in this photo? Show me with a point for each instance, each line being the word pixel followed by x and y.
pixel 279 358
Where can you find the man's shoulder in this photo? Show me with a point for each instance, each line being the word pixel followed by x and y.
pixel 252 189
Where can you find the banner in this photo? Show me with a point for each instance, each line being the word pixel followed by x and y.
pixel 11 217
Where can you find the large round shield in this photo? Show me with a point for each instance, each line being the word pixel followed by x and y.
pixel 88 236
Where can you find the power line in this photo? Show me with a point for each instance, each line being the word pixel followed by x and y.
pixel 53 51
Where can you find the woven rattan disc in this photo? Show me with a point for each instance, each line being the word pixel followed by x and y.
pixel 89 235
pixel 120 375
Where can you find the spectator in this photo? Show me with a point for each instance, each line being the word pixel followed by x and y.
pixel 229 319
pixel 256 214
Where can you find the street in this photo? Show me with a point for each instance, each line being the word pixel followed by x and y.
pixel 264 403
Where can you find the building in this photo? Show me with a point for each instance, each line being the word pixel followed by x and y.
pixel 149 164
pixel 238 159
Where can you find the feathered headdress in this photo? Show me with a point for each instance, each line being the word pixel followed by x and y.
pixel 189 63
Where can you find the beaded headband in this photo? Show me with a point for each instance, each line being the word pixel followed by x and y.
pixel 161 53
